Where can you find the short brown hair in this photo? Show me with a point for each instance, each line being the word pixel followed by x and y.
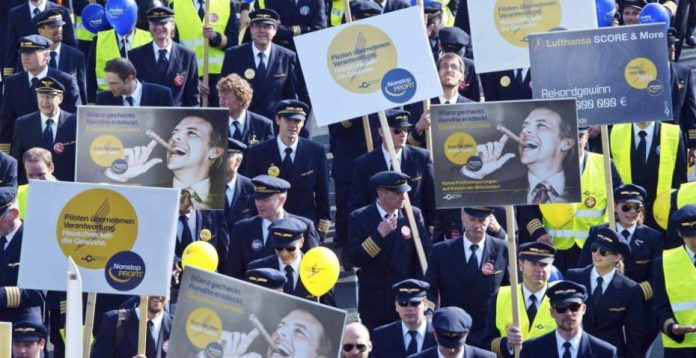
pixel 238 86
pixel 122 67
pixel 452 56
pixel 38 154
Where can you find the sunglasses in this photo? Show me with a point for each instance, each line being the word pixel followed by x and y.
pixel 628 207
pixel 573 307
pixel 409 303
pixel 288 249
pixel 400 130
pixel 349 347
pixel 602 251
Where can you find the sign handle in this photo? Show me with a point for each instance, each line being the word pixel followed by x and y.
pixel 609 187
pixel 512 262
pixel 5 340
pixel 142 324
pixel 407 203
pixel 365 119
pixel 73 312
pixel 206 50
pixel 89 324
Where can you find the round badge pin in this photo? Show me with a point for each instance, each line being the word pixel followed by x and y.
pixel 487 269
pixel 205 235
pixel 406 232
pixel 590 202
pixel 249 74
pixel 505 81
pixel 273 171
pixel 257 245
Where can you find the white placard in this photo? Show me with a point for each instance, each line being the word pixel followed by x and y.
pixel 121 238
pixel 368 66
pixel 499 28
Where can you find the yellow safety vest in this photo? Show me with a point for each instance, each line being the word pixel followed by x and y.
pixel 621 135
pixel 447 16
pixel 336 16
pixel 590 212
pixel 680 275
pixel 82 33
pixel 543 322
pixel 107 50
pixel 686 195
pixel 22 192
pixel 190 28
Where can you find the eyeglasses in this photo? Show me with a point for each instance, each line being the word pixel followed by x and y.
pixel 573 307
pixel 400 130
pixel 627 207
pixel 349 347
pixel 409 303
pixel 602 251
pixel 288 249
pixel 452 67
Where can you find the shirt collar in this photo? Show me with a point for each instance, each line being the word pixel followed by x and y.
pixel 421 329
pixel 650 129
pixel 383 212
pixel 241 119
pixel 41 7
pixel 452 100
pixel 44 118
pixel 157 48
pixel 467 244
pixel 156 321
pixel 202 188
pixel 295 264
pixel 57 49
pixel 459 355
pixel 41 74
pixel 387 157
pixel 10 235
pixel 574 342
pixel 137 93
pixel 606 278
pixel 232 182
pixel 556 181
pixel 539 295
pixel 631 229
pixel 282 146
pixel 256 52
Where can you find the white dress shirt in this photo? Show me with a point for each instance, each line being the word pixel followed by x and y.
pixel 387 157
pixel 282 146
pixel 57 51
pixel 295 264
pixel 606 279
pixel 9 236
pixel 631 230
pixel 156 323
pixel 156 49
pixel 267 55
pixel 479 251
pixel 556 189
pixel 650 130
pixel 137 95
pixel 191 220
pixel 574 344
pixel 41 74
pixel 241 119
pixel 420 336
pixel 54 125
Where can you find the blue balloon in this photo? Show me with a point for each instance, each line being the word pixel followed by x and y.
pixel 94 18
pixel 606 9
pixel 555 275
pixel 122 15
pixel 654 13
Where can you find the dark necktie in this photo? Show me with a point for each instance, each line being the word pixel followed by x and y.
pixel 642 147
pixel 129 99
pixel 201 9
pixel 124 46
pixel 447 102
pixel 597 293
pixel 162 62
pixel 237 131
pixel 48 134
pixel 151 346
pixel 34 81
pixel 35 12
pixel 3 242
pixel 289 285
pixel 228 203
pixel 186 237
pixel 472 264
pixel 626 234
pixel 413 344
pixel 541 194
pixel 53 63
pixel 261 69
pixel 287 161
pixel 532 310
pixel 566 350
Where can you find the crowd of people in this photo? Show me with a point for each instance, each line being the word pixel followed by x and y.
pixel 586 289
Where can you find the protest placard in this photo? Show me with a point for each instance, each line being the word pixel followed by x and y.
pixel 225 317
pixel 618 74
pixel 505 153
pixel 121 238
pixel 499 29
pixel 367 66
pixel 183 148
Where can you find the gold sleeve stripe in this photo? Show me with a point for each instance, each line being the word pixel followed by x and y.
pixel 495 347
pixel 534 225
pixel 413 141
pixel 346 124
pixel 7 71
pixel 692 133
pixel 13 296
pixel 370 247
pixel 223 41
pixel 666 325
pixel 671 6
pixel 5 147
pixel 647 290
pixel 296 30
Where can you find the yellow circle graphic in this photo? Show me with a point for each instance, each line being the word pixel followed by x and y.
pixel 203 326
pixel 515 19
pixel 94 225
pixel 105 149
pixel 459 147
pixel 639 72
pixel 359 56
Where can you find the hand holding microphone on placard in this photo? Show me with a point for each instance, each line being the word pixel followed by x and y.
pixel 491 154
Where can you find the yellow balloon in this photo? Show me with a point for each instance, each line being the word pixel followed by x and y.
pixel 200 254
pixel 319 270
pixel 22 192
pixel 661 208
pixel 558 214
